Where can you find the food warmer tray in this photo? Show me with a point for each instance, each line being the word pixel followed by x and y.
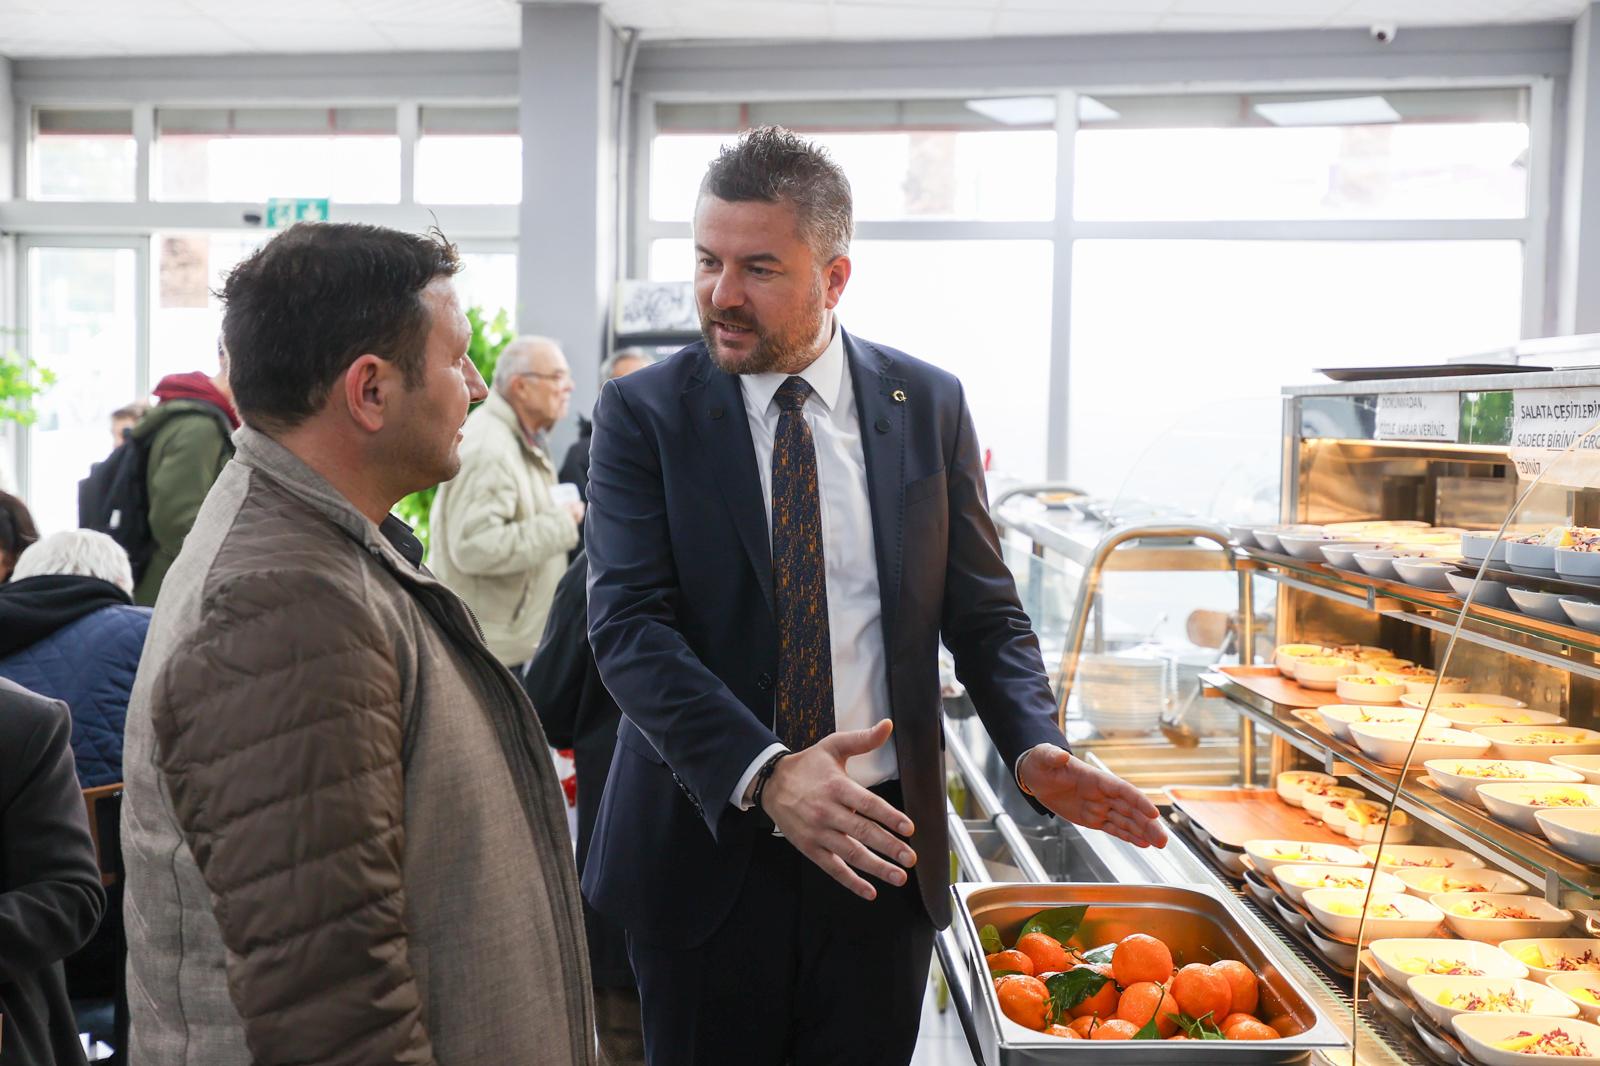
pixel 1193 921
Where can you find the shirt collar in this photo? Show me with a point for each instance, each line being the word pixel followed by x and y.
pixel 825 375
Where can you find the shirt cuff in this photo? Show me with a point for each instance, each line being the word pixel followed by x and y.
pixel 739 790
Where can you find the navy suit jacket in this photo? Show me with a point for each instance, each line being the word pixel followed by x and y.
pixel 684 633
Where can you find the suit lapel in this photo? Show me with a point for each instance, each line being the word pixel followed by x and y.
pixel 883 444
pixel 715 408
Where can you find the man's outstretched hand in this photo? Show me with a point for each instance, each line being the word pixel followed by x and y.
pixel 835 822
pixel 1080 793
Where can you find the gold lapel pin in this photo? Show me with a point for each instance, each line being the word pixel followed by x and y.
pixel 898 396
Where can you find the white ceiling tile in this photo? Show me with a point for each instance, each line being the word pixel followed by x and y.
pixel 1031 23
pixel 1091 7
pixel 853 20
pixel 1236 23
pixel 177 27
pixel 776 18
pixel 1299 11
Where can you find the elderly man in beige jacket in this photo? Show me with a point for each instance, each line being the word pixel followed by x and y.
pixel 500 539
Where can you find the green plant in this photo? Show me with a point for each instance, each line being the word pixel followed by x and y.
pixel 489 338
pixel 21 379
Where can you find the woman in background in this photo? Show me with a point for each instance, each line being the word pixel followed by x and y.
pixel 17 531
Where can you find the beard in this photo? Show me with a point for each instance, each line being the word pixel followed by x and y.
pixel 786 347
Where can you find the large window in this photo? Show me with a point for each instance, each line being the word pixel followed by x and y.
pixel 1172 332
pixel 351 155
pixel 1395 155
pixel 469 155
pixel 916 159
pixel 82 155
pixel 940 188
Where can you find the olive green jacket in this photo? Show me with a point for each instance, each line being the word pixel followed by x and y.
pixel 187 450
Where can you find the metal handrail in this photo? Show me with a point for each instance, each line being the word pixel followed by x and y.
pixel 1090 585
pixel 979 789
pixel 1033 488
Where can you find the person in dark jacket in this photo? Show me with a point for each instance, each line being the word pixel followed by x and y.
pixel 50 894
pixel 575 467
pixel 17 532
pixel 69 631
pixel 188 434
pixel 578 713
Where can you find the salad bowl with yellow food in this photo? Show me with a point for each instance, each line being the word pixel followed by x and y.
pixel 1458 701
pixel 1582 988
pixel 1495 917
pixel 1574 833
pixel 1268 855
pixel 1428 883
pixel 1527 1039
pixel 1546 956
pixel 1364 821
pixel 1402 958
pixel 1397 857
pixel 1296 881
pixel 1292 784
pixel 1339 717
pixel 1388 742
pixel 1442 998
pixel 1517 803
pixel 1459 778
pixel 1539 743
pixel 1338 910
pixel 1370 688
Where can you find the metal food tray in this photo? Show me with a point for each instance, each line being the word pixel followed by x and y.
pixel 1194 922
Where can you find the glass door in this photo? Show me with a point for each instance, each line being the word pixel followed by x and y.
pixel 80 301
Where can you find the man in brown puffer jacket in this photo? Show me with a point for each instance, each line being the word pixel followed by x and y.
pixel 345 842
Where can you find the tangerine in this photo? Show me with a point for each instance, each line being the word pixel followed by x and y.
pixel 1140 957
pixel 1200 991
pixel 1284 1024
pixel 1046 952
pixel 1103 1002
pixel 1145 1000
pixel 1250 1029
pixel 1063 1032
pixel 1178 1036
pixel 1246 989
pixel 1115 1029
pixel 1023 999
pixel 1010 960
pixel 1085 1025
pixel 1236 1016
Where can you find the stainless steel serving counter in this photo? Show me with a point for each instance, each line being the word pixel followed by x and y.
pixel 997 836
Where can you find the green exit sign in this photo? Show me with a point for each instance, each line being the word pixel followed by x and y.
pixel 282 212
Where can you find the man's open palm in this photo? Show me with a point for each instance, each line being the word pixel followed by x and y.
pixel 1089 797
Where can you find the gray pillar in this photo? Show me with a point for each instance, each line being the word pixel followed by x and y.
pixel 1578 307
pixel 564 235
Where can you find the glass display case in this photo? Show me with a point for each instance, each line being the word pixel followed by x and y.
pixel 1404 609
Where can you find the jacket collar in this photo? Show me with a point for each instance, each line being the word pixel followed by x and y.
pixel 499 408
pixel 261 453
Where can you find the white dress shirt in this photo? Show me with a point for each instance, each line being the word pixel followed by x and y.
pixel 855 613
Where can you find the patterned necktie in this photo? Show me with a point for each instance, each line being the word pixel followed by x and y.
pixel 805 658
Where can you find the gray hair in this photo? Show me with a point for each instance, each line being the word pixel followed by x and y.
pixel 608 369
pixel 516 359
pixel 85 552
pixel 772 165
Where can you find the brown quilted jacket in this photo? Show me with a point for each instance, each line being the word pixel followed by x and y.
pixel 345 841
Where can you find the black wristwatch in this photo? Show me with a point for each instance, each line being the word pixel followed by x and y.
pixel 764 775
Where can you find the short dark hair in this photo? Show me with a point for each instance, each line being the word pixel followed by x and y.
pixel 771 164
pixel 315 298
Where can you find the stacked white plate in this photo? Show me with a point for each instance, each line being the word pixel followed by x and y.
pixel 1124 695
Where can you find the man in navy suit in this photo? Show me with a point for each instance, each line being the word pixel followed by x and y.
pixel 784 522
